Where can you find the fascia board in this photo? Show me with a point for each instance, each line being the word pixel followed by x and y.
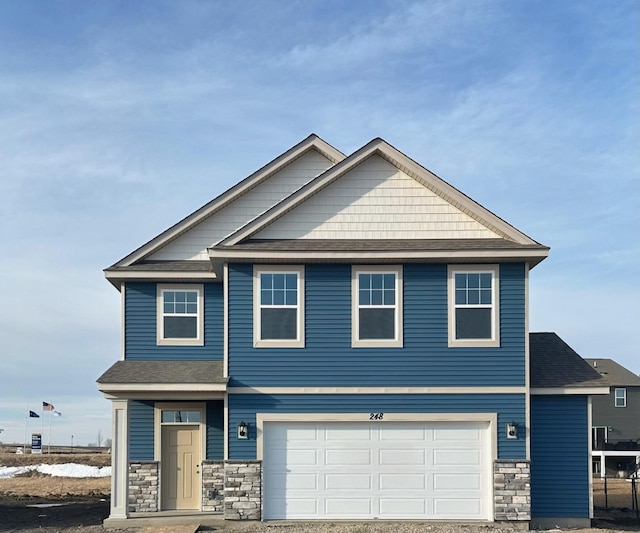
pixel 230 195
pixel 402 162
pixel 543 391
pixel 150 274
pixel 118 277
pixel 162 387
pixel 234 254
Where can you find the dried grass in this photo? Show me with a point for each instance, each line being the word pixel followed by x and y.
pixel 37 485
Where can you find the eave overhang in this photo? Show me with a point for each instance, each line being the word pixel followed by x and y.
pixel 229 254
pixel 117 277
pixel 163 391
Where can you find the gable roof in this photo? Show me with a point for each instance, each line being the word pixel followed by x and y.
pixel 555 365
pixel 407 165
pixel 161 258
pixel 614 373
pixel 312 142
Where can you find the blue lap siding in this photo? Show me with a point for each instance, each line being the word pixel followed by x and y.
pixel 559 456
pixel 140 326
pixel 329 360
pixel 141 430
pixel 243 407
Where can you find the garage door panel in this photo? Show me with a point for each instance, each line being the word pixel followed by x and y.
pixel 402 433
pixel 347 434
pixel 402 507
pixel 337 457
pixel 348 481
pixel 457 482
pixel 289 481
pixel 458 507
pixel 456 434
pixel 341 507
pixel 298 507
pixel 403 482
pixel 399 456
pixel 450 457
pixel 389 470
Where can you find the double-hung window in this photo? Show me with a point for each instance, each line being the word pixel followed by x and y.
pixel 376 306
pixel 620 397
pixel 474 317
pixel 278 307
pixel 180 313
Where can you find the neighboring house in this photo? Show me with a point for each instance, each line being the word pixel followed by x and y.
pixel 616 421
pixel 340 337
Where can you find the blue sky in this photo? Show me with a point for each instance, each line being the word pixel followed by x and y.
pixel 120 118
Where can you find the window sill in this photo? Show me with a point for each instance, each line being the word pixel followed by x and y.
pixel 474 343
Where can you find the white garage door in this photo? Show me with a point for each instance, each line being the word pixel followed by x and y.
pixel 384 470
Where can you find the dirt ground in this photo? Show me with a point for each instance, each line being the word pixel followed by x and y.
pixel 25 500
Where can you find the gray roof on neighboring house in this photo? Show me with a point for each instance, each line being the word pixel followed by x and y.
pixel 166 372
pixel 614 373
pixel 554 363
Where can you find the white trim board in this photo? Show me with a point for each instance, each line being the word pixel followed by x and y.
pixel 566 390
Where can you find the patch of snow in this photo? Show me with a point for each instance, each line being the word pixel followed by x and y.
pixel 62 470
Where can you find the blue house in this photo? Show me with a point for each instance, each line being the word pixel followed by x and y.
pixel 341 338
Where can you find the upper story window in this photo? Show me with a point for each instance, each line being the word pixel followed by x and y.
pixel 278 307
pixel 620 397
pixel 180 315
pixel 376 306
pixel 474 317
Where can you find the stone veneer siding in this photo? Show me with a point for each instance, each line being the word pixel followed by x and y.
pixel 213 486
pixel 512 490
pixel 143 487
pixel 243 490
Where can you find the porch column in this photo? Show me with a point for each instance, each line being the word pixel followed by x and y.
pixel 119 458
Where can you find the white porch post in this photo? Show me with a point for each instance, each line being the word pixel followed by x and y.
pixel 119 459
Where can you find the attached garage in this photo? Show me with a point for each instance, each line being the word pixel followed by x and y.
pixel 377 470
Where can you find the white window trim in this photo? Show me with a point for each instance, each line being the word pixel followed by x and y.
pixel 161 341
pixel 258 342
pixel 494 341
pixel 623 398
pixel 397 341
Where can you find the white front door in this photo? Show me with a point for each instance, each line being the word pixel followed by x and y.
pixel 391 470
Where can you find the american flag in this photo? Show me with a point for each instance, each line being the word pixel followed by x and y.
pixel 47 406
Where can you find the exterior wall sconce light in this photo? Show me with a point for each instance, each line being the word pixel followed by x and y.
pixel 512 430
pixel 243 430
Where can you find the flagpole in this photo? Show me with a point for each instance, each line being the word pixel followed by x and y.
pixel 26 419
pixel 49 447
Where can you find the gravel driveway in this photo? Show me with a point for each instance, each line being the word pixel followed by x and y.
pixel 87 517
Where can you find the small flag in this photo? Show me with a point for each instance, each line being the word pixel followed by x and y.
pixel 33 414
pixel 57 413
pixel 47 406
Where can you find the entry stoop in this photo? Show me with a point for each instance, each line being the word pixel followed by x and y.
pixel 166 522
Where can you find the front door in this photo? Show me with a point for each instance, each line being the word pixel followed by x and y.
pixel 180 478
